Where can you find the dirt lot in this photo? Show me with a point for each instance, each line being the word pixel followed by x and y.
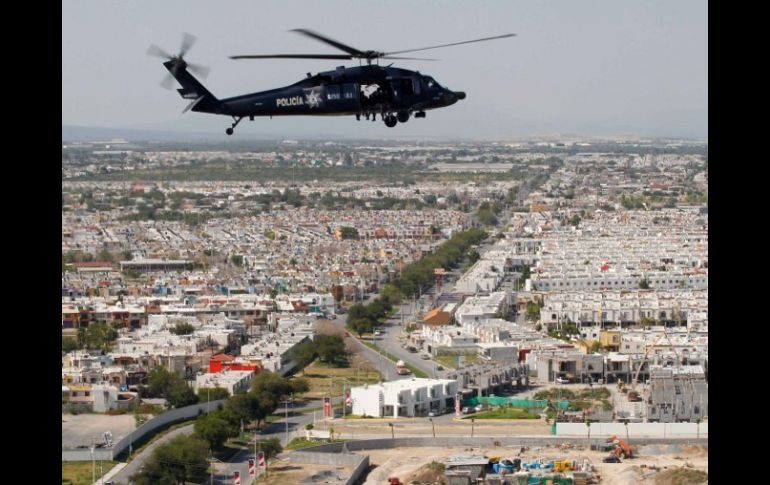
pixel 84 429
pixel 284 472
pixel 647 469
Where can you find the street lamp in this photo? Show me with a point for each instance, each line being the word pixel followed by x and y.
pixel 93 466
pixel 392 433
pixel 433 426
pixel 473 421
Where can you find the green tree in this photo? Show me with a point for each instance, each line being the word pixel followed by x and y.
pixel 180 395
pixel 215 428
pixel 304 354
pixel 182 328
pixel 348 232
pixel 243 407
pixel 644 284
pixel 159 381
pixel 299 386
pixel 212 394
pixel 533 311
pixel 68 344
pixel 237 260
pixel 331 350
pixel 183 459
pixel 271 447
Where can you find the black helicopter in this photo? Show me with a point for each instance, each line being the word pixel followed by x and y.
pixel 366 90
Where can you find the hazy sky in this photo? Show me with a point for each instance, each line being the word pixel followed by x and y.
pixel 588 67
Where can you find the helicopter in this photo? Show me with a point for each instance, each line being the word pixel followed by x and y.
pixel 367 90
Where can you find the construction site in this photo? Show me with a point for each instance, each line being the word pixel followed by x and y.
pixel 611 462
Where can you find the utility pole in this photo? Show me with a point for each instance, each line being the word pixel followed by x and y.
pixel 93 465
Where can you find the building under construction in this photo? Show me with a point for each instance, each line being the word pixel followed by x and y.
pixel 677 394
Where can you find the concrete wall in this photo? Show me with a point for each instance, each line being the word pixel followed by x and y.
pixel 646 430
pixel 359 463
pixel 174 415
pixel 84 454
pixel 454 441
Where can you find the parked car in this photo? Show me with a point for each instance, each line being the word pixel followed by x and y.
pixel 377 332
pixel 467 410
pixel 562 380
pixel 440 367
pixel 432 414
pixel 425 357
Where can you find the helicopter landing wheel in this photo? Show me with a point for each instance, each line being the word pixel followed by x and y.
pixel 403 116
pixel 237 120
pixel 390 121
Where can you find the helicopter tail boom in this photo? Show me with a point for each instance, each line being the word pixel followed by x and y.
pixel 201 98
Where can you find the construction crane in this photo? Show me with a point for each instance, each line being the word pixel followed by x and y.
pixel 647 351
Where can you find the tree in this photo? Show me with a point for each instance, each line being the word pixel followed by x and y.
pixel 215 428
pixel 183 459
pixel 331 350
pixel 533 311
pixel 180 395
pixel 644 284
pixel 212 394
pixel 304 354
pixel 361 326
pixel 271 447
pixel 237 260
pixel 347 232
pixel 68 344
pixel 183 328
pixel 299 385
pixel 243 406
pixel 159 381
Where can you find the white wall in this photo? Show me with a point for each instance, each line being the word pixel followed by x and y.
pixel 639 430
pixel 366 401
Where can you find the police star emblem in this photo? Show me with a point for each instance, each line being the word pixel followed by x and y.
pixel 313 98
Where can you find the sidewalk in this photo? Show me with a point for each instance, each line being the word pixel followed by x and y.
pixel 107 476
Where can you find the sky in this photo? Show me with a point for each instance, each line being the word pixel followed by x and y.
pixel 592 68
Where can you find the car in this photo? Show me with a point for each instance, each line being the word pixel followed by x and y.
pixel 432 414
pixel 425 357
pixel 440 367
pixel 377 332
pixel 467 410
pixel 562 380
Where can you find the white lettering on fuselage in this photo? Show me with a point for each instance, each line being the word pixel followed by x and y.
pixel 293 101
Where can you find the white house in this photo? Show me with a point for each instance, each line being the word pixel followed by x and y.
pixel 404 398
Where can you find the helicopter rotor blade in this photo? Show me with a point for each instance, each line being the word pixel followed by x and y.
pixel 309 33
pixel 295 56
pixel 188 40
pixel 156 51
pixel 201 71
pixel 409 58
pixel 168 82
pixel 455 43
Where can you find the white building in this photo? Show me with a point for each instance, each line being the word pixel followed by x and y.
pixel 404 398
pixel 232 380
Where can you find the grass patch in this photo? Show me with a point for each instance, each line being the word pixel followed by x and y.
pixel 300 443
pixel 505 413
pixel 452 360
pixel 80 472
pixel 321 376
pixel 417 372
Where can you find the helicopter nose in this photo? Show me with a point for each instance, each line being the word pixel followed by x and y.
pixel 460 94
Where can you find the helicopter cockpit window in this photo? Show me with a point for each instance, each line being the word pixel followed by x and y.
pixel 430 82
pixel 333 92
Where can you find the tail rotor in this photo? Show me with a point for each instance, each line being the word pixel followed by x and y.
pixel 178 62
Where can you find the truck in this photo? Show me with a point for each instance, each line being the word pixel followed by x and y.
pixel 401 368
